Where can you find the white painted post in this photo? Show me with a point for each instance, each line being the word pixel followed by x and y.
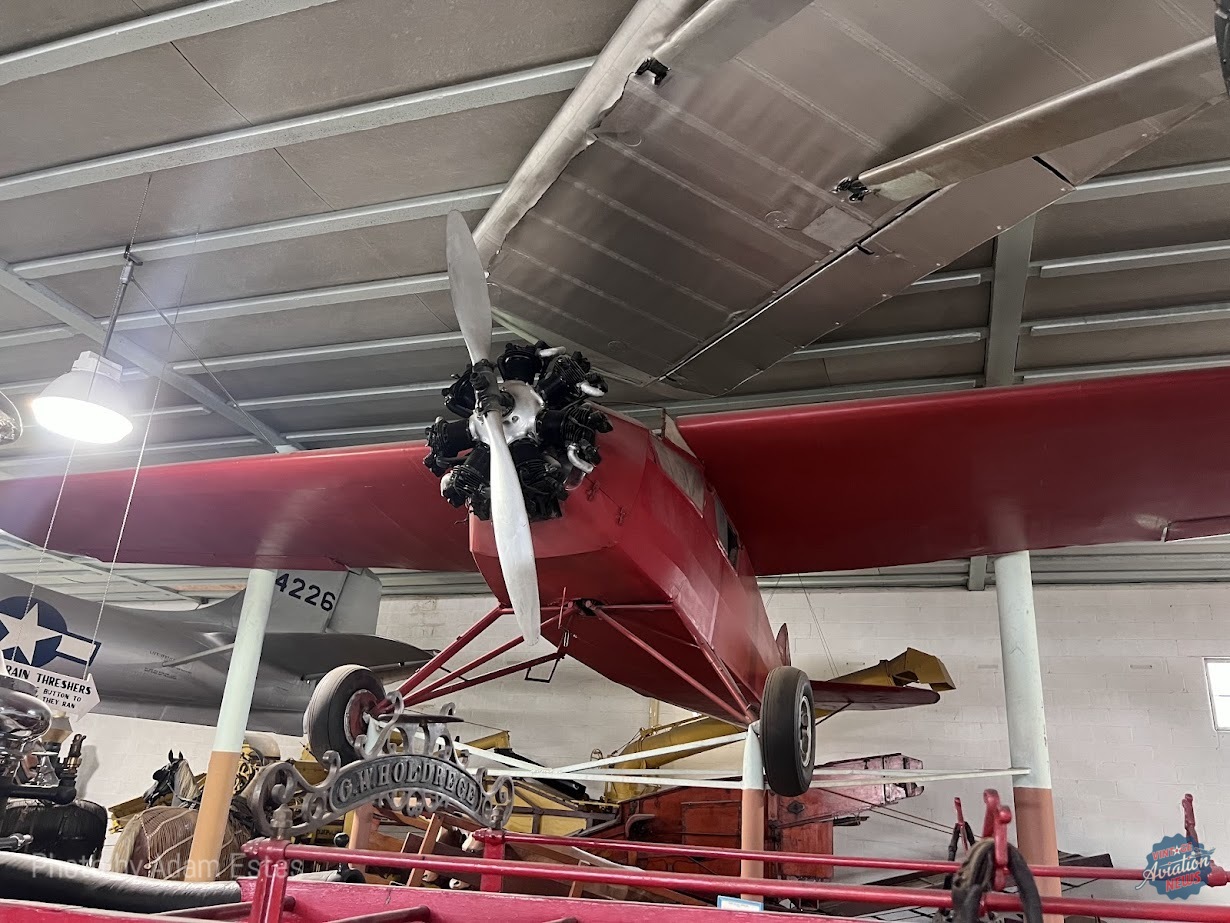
pixel 232 723
pixel 751 832
pixel 1026 712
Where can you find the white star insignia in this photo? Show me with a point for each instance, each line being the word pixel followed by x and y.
pixel 23 634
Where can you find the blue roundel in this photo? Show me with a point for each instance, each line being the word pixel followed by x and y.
pixel 44 649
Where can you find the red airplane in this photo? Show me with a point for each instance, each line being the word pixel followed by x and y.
pixel 645 546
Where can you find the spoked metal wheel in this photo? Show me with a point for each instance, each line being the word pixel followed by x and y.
pixel 788 731
pixel 336 713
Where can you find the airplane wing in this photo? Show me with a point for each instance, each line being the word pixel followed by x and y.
pixel 824 487
pixel 374 506
pixel 910 480
pixel 716 222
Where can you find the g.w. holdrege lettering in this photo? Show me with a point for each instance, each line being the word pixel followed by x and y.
pixel 370 780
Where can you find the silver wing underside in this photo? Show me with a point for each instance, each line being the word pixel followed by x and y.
pixel 697 238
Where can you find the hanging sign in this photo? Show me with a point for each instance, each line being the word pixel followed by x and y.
pixel 69 694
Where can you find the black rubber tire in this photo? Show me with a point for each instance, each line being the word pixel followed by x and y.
pixel 327 724
pixel 787 703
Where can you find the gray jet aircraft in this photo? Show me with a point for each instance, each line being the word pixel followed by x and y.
pixel 171 664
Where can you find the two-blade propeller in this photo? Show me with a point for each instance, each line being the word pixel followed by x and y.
pixel 467 283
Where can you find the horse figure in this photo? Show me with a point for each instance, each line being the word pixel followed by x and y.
pixel 155 843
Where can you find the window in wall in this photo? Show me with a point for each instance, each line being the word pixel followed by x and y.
pixel 1218 674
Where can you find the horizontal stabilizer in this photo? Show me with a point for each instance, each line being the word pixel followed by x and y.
pixel 313 654
pixel 853 697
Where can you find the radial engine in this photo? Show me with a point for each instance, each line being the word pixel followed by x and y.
pixel 549 425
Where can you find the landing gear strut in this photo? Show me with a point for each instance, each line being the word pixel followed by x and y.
pixel 336 713
pixel 787 731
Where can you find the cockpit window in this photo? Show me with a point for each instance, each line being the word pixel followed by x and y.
pixel 685 475
pixel 728 538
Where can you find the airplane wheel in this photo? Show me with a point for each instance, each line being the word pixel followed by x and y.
pixel 334 716
pixel 788 731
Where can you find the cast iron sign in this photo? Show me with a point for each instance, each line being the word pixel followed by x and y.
pixel 410 767
pixel 385 776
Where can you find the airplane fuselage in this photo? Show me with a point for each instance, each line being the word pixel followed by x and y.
pixel 645 538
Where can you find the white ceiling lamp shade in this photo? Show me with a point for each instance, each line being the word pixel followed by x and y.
pixel 10 421
pixel 87 402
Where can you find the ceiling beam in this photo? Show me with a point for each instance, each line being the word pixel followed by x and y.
pixel 344 396
pixel 809 396
pixel 362 350
pixel 1128 367
pixel 1123 260
pixel 47 301
pixel 312 399
pixel 213 444
pixel 475 94
pixel 143 32
pixel 397 287
pixel 1127 320
pixel 1142 182
pixel 831 349
pixel 348 219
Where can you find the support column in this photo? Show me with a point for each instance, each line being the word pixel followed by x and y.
pixel 232 722
pixel 753 806
pixel 1027 746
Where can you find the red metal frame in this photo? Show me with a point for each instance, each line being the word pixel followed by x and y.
pixel 269 889
pixel 995 824
pixel 420 687
pixel 449 650
pixel 439 688
pixel 272 897
pixel 739 704
pixel 932 867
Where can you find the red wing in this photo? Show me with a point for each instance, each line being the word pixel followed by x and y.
pixel 914 480
pixel 858 697
pixel 366 507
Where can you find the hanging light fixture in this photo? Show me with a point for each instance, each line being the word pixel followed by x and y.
pixel 87 402
pixel 10 421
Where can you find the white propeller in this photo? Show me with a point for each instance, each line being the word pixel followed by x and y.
pixel 467 283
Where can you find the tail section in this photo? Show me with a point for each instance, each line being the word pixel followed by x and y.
pixel 783 643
